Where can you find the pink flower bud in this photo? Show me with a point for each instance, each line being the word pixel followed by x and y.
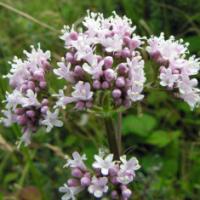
pixel 80 105
pixel 96 84
pixel 73 35
pixel 114 195
pixel 85 181
pixel 22 120
pixel 122 69
pixel 77 173
pixel 39 75
pixel 120 82
pixel 43 84
pixel 69 57
pixel 44 109
pixel 109 75
pixel 31 85
pixel 113 171
pixel 108 61
pixel 30 113
pixel 78 70
pixel 73 182
pixel 114 180
pixel 105 85
pixel 134 43
pixel 19 111
pixel 116 93
pixel 126 40
pixel 126 52
pixel 126 193
pixel 24 88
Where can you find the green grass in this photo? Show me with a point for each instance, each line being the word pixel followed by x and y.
pixel 168 145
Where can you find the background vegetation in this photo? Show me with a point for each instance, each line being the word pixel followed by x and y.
pixel 162 131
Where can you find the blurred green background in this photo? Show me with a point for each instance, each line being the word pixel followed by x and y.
pixel 161 131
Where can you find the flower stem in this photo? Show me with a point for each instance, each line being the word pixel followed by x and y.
pixel 114 135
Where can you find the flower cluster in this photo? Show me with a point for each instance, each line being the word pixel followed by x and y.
pixel 27 105
pixel 103 56
pixel 176 71
pixel 109 177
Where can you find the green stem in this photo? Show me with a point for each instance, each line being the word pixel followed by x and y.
pixel 114 135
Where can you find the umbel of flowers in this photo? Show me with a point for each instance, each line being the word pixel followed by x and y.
pixel 28 104
pixel 102 59
pixel 107 177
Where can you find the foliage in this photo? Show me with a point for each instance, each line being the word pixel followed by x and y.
pixel 162 132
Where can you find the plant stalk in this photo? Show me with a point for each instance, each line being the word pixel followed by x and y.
pixel 114 135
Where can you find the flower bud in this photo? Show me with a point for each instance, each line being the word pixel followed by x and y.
pixel 31 85
pixel 22 120
pixel 80 105
pixel 109 74
pixel 105 85
pixel 114 180
pixel 126 52
pixel 44 109
pixel 116 93
pixel 77 173
pixel 126 193
pixel 19 111
pixel 85 181
pixel 114 195
pixel 122 69
pixel 73 35
pixel 108 61
pixel 120 82
pixel 30 113
pixel 39 75
pixel 73 182
pixel 134 43
pixel 78 70
pixel 96 84
pixel 69 57
pixel 43 84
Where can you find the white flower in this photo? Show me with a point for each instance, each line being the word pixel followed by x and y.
pixel 30 99
pixel 64 71
pixel 82 91
pixel 51 120
pixel 13 99
pixel 130 165
pixel 8 119
pixel 98 186
pixel 127 170
pixel 104 164
pixel 95 69
pixel 37 57
pixel 167 78
pixel 77 161
pixel 112 44
pixel 70 192
pixel 169 49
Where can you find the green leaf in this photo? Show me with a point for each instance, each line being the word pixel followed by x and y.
pixel 162 138
pixel 139 125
